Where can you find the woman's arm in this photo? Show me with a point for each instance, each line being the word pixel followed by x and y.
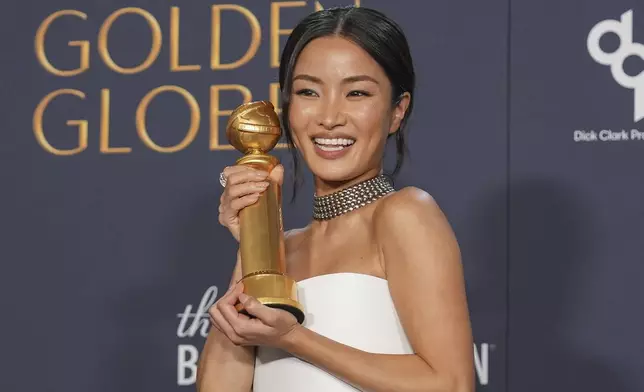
pixel 224 366
pixel 422 262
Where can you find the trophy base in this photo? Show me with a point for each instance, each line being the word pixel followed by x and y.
pixel 275 291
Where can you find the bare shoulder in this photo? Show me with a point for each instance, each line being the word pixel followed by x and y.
pixel 411 221
pixel 409 206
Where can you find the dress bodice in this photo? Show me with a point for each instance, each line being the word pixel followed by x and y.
pixel 352 309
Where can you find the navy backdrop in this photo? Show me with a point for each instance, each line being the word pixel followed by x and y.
pixel 526 131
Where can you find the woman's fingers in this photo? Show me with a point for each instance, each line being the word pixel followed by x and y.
pixel 246 188
pixel 230 298
pixel 224 326
pixel 277 174
pixel 242 202
pixel 245 174
pixel 244 184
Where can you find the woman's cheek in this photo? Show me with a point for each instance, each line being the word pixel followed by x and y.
pixel 369 117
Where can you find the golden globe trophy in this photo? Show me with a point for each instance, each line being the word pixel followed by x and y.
pixel 254 129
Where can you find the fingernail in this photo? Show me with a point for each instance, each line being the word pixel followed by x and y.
pixel 262 185
pixel 243 298
pixel 261 174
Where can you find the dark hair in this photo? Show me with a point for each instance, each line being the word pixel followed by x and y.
pixel 375 33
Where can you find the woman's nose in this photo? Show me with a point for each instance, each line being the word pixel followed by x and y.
pixel 332 114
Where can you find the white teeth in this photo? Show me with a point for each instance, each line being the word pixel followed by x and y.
pixel 333 142
pixel 330 148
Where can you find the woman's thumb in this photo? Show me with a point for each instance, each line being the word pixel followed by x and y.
pixel 277 174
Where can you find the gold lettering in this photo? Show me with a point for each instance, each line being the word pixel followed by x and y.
pixel 319 7
pixel 105 127
pixel 40 45
pixel 141 112
pixel 174 44
pixel 38 127
pixel 216 112
pixel 256 34
pixel 154 50
pixel 276 31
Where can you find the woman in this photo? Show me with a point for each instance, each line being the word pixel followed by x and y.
pixel 382 283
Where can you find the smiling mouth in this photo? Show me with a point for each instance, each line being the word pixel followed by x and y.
pixel 336 144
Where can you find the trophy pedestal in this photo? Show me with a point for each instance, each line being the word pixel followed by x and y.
pixel 273 290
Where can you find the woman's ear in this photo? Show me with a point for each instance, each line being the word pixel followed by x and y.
pixel 398 112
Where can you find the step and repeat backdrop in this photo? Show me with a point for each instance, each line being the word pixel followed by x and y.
pixel 528 131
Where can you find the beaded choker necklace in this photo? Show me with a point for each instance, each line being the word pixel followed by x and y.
pixel 349 199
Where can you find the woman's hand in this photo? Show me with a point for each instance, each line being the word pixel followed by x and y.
pixel 243 187
pixel 269 327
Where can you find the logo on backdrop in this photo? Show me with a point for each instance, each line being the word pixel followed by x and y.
pixel 193 324
pixel 623 29
pixel 615 60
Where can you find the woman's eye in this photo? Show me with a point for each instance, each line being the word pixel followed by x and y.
pixel 306 92
pixel 359 93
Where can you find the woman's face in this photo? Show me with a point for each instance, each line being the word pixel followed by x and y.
pixel 341 109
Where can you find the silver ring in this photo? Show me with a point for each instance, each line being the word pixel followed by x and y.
pixel 222 179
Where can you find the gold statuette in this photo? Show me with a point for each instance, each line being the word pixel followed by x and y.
pixel 254 129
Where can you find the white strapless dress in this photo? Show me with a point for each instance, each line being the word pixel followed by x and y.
pixel 353 309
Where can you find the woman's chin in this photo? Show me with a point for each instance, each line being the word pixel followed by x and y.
pixel 338 175
pixel 335 170
pixel 327 174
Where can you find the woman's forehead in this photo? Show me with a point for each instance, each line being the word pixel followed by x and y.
pixel 336 57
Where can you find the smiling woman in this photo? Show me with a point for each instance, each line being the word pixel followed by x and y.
pixel 378 270
pixel 341 108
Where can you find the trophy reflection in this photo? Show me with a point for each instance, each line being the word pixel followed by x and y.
pixel 254 129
